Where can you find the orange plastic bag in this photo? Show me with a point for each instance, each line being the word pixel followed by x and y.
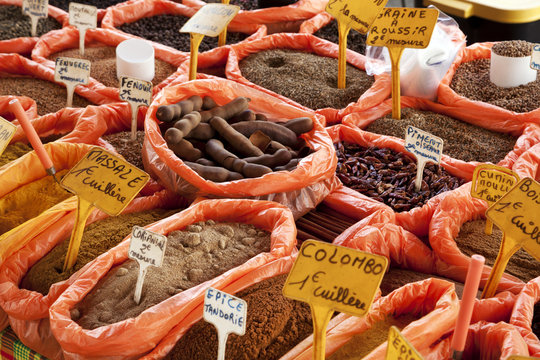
pixel 28 311
pixel 300 190
pixel 527 165
pixel 523 312
pixel 356 205
pixel 136 336
pixel 434 300
pixel 478 109
pixel 29 106
pixel 68 38
pixel 24 45
pixel 379 91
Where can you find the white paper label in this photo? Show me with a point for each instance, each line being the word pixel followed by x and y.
pixel 535 57
pixel 82 15
pixel 35 8
pixel 72 71
pixel 211 19
pixel 425 147
pixel 7 130
pixel 135 91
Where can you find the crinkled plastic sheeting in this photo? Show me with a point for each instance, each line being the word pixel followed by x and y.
pixel 28 104
pixel 300 189
pixel 523 312
pixel 376 94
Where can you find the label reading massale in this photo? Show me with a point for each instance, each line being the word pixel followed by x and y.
pixel 35 8
pixel 211 19
pixel 399 348
pixel 335 277
pixel 135 91
pixel 403 27
pixel 535 57
pixel 71 71
pixel 105 180
pixel 491 182
pixel 517 213
pixel 423 144
pixel 7 130
pixel 82 15
pixel 359 15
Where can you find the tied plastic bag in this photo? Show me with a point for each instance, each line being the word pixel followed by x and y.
pixel 421 70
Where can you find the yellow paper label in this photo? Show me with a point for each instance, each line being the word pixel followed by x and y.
pixel 35 8
pixel 211 19
pixel 491 182
pixel 403 27
pixel 71 71
pixel 335 277
pixel 399 348
pixel 105 180
pixel 358 15
pixel 7 130
pixel 517 213
pixel 82 16
pixel 535 57
pixel 135 91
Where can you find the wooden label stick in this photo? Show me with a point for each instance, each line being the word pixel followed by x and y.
pixel 425 147
pixel 83 17
pixel 71 72
pixel 36 9
pixel 137 93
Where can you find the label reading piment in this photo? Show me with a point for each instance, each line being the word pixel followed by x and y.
pixel 82 16
pixel 535 57
pixel 105 180
pixel 36 9
pixel 403 27
pixel 491 182
pixel 7 130
pixel 423 144
pixel 358 15
pixel 517 213
pixel 399 348
pixel 211 19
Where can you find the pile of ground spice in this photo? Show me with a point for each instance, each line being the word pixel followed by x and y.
pixel 98 237
pixel 14 24
pixel 50 97
pixel 197 254
pixel 536 320
pixel 472 239
pixel 307 78
pixel 13 152
pixel 274 325
pixel 362 344
pixel 164 28
pixel 103 68
pixel 461 140
pixel 30 200
pixel 471 80
pixel 130 150
pixel 355 41
pixel 514 48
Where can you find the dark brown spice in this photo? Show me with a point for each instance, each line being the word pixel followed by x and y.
pixel 536 320
pixel 100 4
pixel 514 48
pixel 14 24
pixel 130 150
pixel 355 40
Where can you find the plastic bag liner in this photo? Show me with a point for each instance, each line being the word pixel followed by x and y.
pixel 486 341
pixel 434 300
pixel 24 45
pixel 527 165
pixel 300 190
pixel 28 104
pixel 523 312
pixel 28 311
pixel 379 91
pixel 356 205
pixel 135 336
pixel 481 109
pixel 15 64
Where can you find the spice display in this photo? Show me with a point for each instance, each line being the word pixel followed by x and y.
pixel 30 200
pixel 199 253
pixel 130 150
pixel 515 48
pixel 462 140
pixel 308 79
pixel 536 320
pixel 389 176
pixel 355 40
pixel 13 152
pixel 14 24
pixel 164 29
pixel 323 224
pixel 472 239
pixel 274 325
pixel 49 97
pixel 100 4
pixel 471 80
pixel 103 68
pixel 98 237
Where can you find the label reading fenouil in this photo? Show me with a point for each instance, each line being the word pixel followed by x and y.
pixel 335 277
pixel 517 214
pixel 359 15
pixel 105 180
pixel 35 9
pixel 82 16
pixel 211 19
pixel 7 130
pixel 491 182
pixel 535 57
pixel 399 348
pixel 403 27
pixel 136 92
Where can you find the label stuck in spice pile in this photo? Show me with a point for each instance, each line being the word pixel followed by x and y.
pixel 425 147
pixel 535 57
pixel 83 17
pixel 399 348
pixel 7 130
pixel 137 93
pixel 71 72
pixel 36 9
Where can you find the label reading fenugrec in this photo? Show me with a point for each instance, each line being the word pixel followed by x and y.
pixel 72 71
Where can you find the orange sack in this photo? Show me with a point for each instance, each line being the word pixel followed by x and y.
pixel 379 90
pixel 29 106
pixel 523 312
pixel 135 336
pixel 300 190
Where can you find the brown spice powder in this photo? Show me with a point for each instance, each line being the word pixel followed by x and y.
pixel 13 152
pixel 130 150
pixel 274 325
pixel 98 237
pixel 472 239
pixel 309 79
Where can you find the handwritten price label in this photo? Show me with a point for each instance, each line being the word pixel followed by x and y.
pixel 399 348
pixel 491 182
pixel 135 91
pixel 82 16
pixel 211 19
pixel 358 15
pixel 535 57
pixel 7 130
pixel 425 147
pixel 71 72
pixel 35 9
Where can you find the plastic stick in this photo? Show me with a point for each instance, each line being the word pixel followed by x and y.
pixel 342 61
pixel 222 40
pixel 83 210
pixel 321 316
pixel 194 54
pixel 507 249
pixel 395 57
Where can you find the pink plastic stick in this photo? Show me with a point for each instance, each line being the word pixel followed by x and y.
pixel 467 302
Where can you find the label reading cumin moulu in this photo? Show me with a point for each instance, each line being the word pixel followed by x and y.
pixel 359 15
pixel 7 130
pixel 491 182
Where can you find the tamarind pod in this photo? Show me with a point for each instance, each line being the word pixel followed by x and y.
pixel 214 173
pixel 260 116
pixel 217 151
pixel 290 165
pixel 260 140
pixel 226 111
pixel 234 164
pixel 205 161
pixel 168 113
pixel 238 141
pixel 274 146
pixel 185 150
pixel 275 131
pixel 203 131
pixel 188 123
pixel 304 151
pixel 299 125
pixel 255 170
pixel 246 115
pixel 197 102
pixel 280 157
pixel 173 135
pixel 208 103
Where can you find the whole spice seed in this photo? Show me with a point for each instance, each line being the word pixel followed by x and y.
pixel 471 80
pixel 14 24
pixel 50 97
pixel 130 150
pixel 389 176
pixel 306 78
pixel 461 140
pixel 100 4
pixel 514 48
pixel 355 40
pixel 164 29
pixel 103 67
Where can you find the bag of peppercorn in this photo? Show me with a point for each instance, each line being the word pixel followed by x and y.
pixel 526 313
